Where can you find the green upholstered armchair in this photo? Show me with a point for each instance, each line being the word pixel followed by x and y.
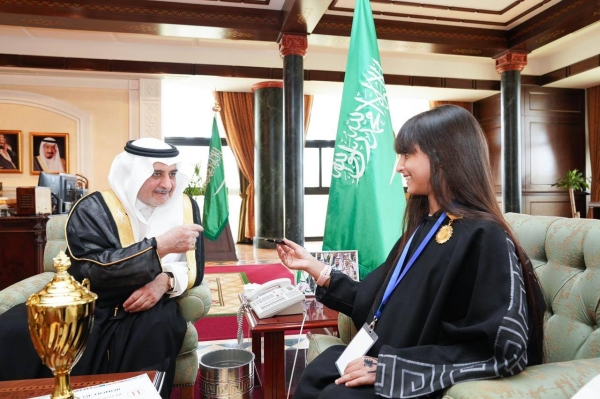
pixel 194 304
pixel 566 256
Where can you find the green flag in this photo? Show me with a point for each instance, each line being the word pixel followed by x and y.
pixel 216 206
pixel 366 199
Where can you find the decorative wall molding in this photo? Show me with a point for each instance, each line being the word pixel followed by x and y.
pixel 83 121
pixel 134 109
pixel 63 81
pixel 150 108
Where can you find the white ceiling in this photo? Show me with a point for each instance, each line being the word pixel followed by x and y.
pixel 475 17
pixel 324 52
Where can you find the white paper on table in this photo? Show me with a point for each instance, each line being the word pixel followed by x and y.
pixel 139 387
pixel 591 390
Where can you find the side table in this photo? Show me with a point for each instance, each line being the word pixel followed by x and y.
pixel 273 331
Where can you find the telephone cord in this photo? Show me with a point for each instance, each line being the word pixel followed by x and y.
pixel 240 323
pixel 240 334
pixel 296 355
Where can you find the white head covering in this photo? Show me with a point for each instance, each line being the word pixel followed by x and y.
pixel 132 168
pixel 53 164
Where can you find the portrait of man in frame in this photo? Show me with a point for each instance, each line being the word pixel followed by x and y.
pixel 49 152
pixel 10 151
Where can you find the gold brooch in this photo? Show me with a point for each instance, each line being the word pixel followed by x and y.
pixel 445 232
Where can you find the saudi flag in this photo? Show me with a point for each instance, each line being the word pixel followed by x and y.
pixel 216 207
pixel 366 199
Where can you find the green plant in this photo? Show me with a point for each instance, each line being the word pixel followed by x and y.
pixel 196 185
pixel 573 181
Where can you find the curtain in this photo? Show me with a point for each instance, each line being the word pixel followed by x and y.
pixel 465 105
pixel 593 111
pixel 237 115
pixel 241 235
pixel 308 103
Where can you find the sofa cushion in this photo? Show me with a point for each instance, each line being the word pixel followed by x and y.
pixel 549 381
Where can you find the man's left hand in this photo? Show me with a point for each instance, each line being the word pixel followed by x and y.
pixel 361 371
pixel 144 298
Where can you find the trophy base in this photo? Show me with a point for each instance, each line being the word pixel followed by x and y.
pixel 62 387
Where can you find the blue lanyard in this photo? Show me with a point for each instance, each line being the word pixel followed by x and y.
pixel 397 277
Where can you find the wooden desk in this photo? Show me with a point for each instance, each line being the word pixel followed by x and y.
pixel 23 389
pixel 273 329
pixel 22 242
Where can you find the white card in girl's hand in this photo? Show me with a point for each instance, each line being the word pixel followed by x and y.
pixel 360 344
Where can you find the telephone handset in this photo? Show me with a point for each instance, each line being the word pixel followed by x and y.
pixel 274 297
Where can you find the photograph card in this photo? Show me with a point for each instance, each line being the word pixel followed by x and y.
pixel 343 261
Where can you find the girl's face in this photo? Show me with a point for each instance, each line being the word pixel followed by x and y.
pixel 416 170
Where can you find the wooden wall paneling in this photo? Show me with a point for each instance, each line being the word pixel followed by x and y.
pixel 493 134
pixel 553 143
pixel 548 101
pixel 487 109
pixel 551 204
pixel 555 205
pixel 488 113
pixel 551 147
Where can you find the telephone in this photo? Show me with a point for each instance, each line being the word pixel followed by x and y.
pixel 277 297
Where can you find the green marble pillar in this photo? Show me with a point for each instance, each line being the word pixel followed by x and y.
pixel 293 50
pixel 268 163
pixel 512 193
pixel 509 65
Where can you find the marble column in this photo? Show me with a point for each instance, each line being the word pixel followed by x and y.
pixel 268 163
pixel 293 49
pixel 510 65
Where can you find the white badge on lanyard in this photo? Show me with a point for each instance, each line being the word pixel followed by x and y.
pixel 360 344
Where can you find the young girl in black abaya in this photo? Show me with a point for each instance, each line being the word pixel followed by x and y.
pixel 456 299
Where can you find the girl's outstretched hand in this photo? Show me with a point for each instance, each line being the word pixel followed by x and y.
pixel 296 257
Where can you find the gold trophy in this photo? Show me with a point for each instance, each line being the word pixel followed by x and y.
pixel 60 319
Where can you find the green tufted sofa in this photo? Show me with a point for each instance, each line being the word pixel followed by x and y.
pixel 566 256
pixel 194 304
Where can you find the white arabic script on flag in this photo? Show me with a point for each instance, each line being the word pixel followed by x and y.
pixel 215 158
pixel 353 153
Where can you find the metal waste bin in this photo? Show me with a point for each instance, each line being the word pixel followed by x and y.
pixel 226 373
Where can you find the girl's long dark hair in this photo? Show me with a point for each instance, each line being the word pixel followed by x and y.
pixel 461 181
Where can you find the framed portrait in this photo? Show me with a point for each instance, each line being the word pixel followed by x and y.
pixel 10 151
pixel 49 152
pixel 342 261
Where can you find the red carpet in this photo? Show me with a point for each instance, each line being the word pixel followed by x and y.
pixel 225 327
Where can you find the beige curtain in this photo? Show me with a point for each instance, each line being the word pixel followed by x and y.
pixel 241 235
pixel 237 114
pixel 465 105
pixel 593 100
pixel 308 103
